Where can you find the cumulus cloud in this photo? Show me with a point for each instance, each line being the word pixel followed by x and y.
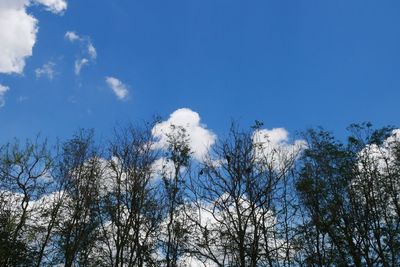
pixel 47 70
pixel 17 35
pixel 163 167
pixel 79 64
pixel 199 137
pixel 217 216
pixel 381 157
pixel 273 147
pixel 119 89
pixel 376 166
pixel 3 90
pixel 18 32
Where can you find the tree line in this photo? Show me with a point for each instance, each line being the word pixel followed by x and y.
pixel 250 202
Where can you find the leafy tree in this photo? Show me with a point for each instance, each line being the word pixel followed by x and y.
pixel 349 195
pixel 24 177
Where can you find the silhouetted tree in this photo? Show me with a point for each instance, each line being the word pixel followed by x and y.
pixel 130 213
pixel 245 213
pixel 79 172
pixel 349 195
pixel 175 166
pixel 255 200
pixel 24 171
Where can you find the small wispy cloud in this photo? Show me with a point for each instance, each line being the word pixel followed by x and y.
pixel 119 88
pixel 22 98
pixel 92 50
pixel 72 36
pixel 79 64
pixel 3 90
pixel 54 6
pixel 88 51
pixel 47 70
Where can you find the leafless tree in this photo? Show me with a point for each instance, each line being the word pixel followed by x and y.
pixel 174 175
pixel 79 171
pixel 245 212
pixel 130 213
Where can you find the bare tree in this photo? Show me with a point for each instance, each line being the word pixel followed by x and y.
pixel 256 200
pixel 130 213
pixel 244 210
pixel 173 175
pixel 79 172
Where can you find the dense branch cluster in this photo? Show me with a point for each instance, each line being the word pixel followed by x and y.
pixel 248 202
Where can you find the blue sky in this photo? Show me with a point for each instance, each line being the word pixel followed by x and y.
pixel 291 64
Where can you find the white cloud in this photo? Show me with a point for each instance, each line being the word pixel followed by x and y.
pixel 79 64
pixel 215 218
pixel 17 35
pixel 200 138
pixel 18 32
pixel 377 165
pixel 163 167
pixel 119 89
pixel 89 51
pixel 55 6
pixel 47 70
pixel 72 36
pixel 22 98
pixel 3 90
pixel 92 50
pixel 382 157
pixel 272 147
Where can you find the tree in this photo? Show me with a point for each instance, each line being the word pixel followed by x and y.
pixel 256 199
pixel 79 173
pixel 349 195
pixel 24 177
pixel 241 195
pixel 130 213
pixel 175 165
